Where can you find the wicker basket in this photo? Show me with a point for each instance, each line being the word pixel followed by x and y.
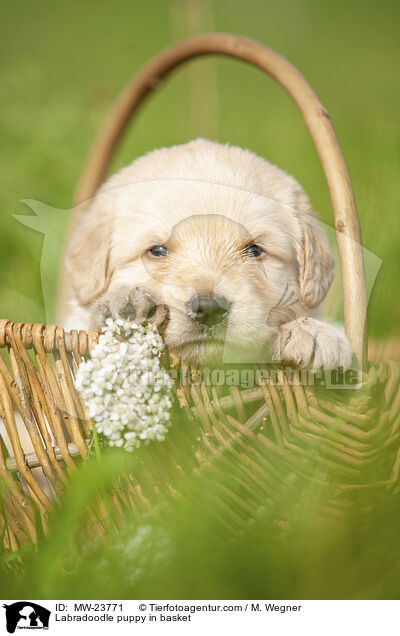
pixel 251 432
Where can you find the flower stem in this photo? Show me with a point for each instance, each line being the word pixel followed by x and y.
pixel 96 443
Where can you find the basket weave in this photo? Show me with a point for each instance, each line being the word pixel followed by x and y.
pixel 250 432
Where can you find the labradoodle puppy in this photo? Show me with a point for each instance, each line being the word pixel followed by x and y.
pixel 218 246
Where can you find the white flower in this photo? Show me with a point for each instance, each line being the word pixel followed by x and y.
pixel 126 391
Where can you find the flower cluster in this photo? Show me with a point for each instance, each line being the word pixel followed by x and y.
pixel 127 392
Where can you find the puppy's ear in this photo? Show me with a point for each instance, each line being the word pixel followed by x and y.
pixel 87 254
pixel 316 263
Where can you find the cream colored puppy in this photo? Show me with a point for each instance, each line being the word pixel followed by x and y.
pixel 220 245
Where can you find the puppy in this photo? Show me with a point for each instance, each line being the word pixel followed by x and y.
pixel 220 241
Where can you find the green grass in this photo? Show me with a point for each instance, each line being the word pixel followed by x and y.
pixel 199 545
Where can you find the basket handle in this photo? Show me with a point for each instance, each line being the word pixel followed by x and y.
pixel 316 118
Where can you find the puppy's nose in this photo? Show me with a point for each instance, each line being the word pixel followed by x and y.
pixel 208 310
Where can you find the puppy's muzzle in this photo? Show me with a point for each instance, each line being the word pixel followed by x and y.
pixel 208 311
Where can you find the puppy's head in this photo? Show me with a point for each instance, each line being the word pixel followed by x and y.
pixel 222 237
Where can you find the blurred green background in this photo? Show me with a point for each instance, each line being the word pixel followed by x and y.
pixel 64 63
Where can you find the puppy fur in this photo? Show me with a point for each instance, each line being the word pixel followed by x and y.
pixel 207 203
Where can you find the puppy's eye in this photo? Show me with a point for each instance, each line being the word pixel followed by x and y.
pixel 158 250
pixel 253 250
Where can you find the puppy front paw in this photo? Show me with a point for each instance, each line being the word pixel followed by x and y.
pixel 311 344
pixel 130 303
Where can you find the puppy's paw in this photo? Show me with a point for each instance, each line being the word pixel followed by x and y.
pixel 130 303
pixel 311 344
